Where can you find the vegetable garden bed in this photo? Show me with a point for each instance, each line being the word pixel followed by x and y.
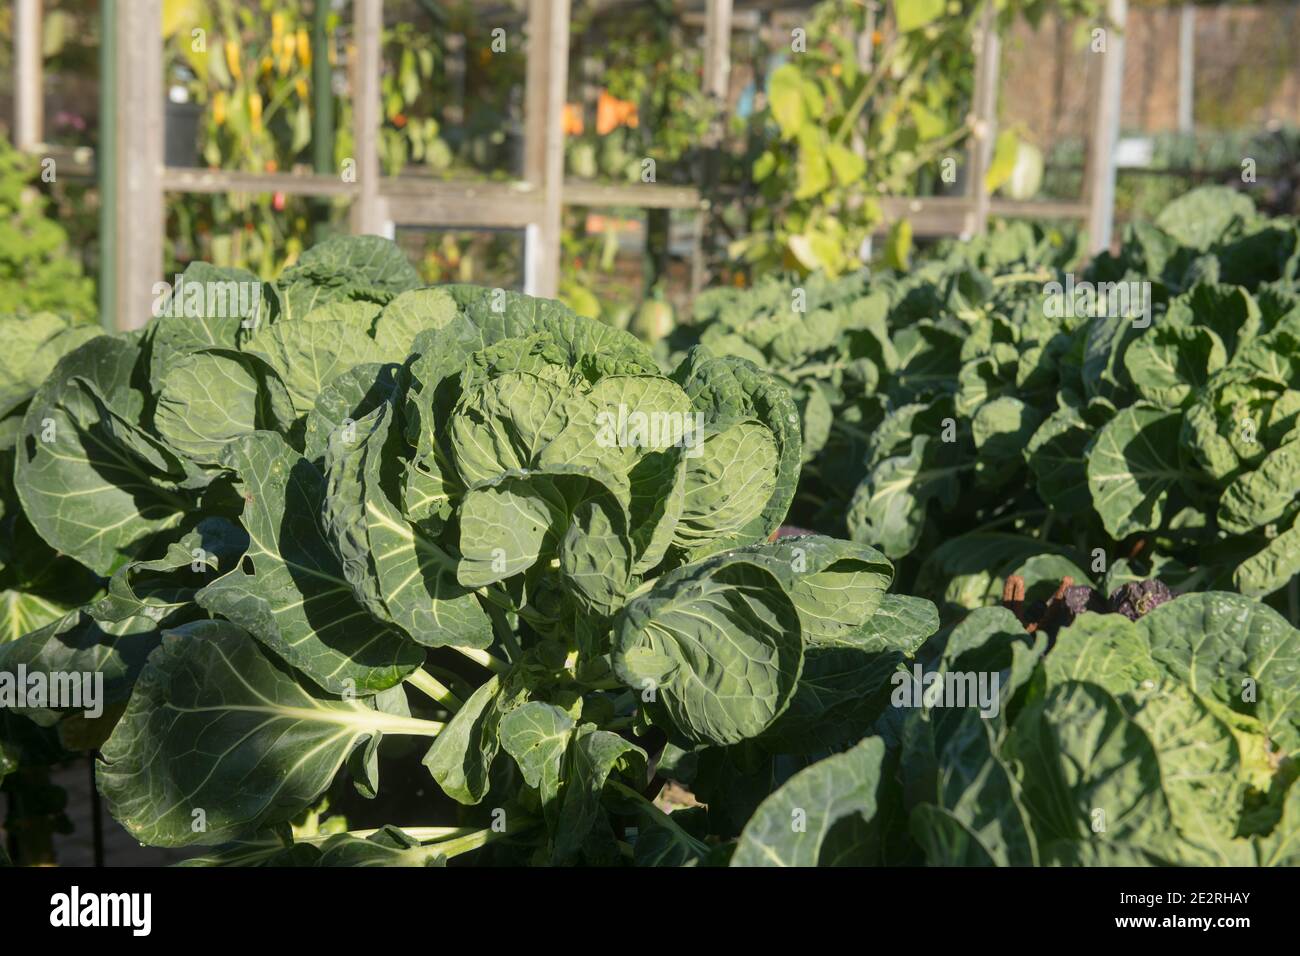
pixel 376 574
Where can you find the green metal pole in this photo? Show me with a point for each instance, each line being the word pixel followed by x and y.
pixel 322 103
pixel 106 164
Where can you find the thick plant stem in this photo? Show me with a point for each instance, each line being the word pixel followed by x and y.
pixel 423 834
pixel 433 688
pixel 483 659
pixel 471 841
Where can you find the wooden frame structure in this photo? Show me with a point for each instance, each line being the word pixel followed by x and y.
pixel 135 178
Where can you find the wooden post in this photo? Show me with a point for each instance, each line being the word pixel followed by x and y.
pixel 369 216
pixel 717 48
pixel 29 76
pixel 138 217
pixel 322 110
pixel 1100 172
pixel 988 55
pixel 1186 66
pixel 717 78
pixel 547 80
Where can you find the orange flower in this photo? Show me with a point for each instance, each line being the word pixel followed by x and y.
pixel 571 120
pixel 399 120
pixel 876 38
pixel 611 113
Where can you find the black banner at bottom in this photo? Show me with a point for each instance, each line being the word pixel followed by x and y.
pixel 333 906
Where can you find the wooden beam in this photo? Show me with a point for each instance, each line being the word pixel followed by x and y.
pixel 546 86
pixel 1099 182
pixel 473 205
pixel 988 62
pixel 29 76
pixel 578 192
pixel 1035 209
pixel 138 230
pixel 195 180
pixel 368 213
pixel 930 216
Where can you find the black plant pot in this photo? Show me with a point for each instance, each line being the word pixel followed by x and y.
pixel 181 134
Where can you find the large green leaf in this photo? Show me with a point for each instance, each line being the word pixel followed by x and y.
pixel 207 398
pixel 591 758
pixel 536 735
pixel 93 483
pixel 812 816
pixel 1244 657
pixel 1133 465
pixel 396 571
pixel 730 390
pixel 461 758
pixel 716 644
pixel 380 263
pixel 220 741
pixel 307 355
pixel 889 508
pixel 289 590
pixel 1090 772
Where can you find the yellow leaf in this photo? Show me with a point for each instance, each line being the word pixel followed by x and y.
pixel 1004 160
pixel 232 60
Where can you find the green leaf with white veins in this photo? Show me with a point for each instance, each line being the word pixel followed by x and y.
pixel 1001 429
pixel 399 573
pixel 719 644
pixel 1090 771
pixel 358 391
pixel 1259 497
pixel 378 261
pixel 1200 767
pixel 1132 466
pixel 289 591
pixel 208 398
pixel 461 758
pixel 889 507
pixel 1241 646
pixel 591 758
pixel 407 316
pixel 308 355
pixel 521 420
pixel 536 735
pixel 840 690
pixel 1055 455
pixel 101 487
pixel 1270 568
pixel 797 825
pixel 215 725
pixel 569 514
pixel 727 486
pixel 836 586
pixel 653 418
pixel 731 389
pixel 1169 363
